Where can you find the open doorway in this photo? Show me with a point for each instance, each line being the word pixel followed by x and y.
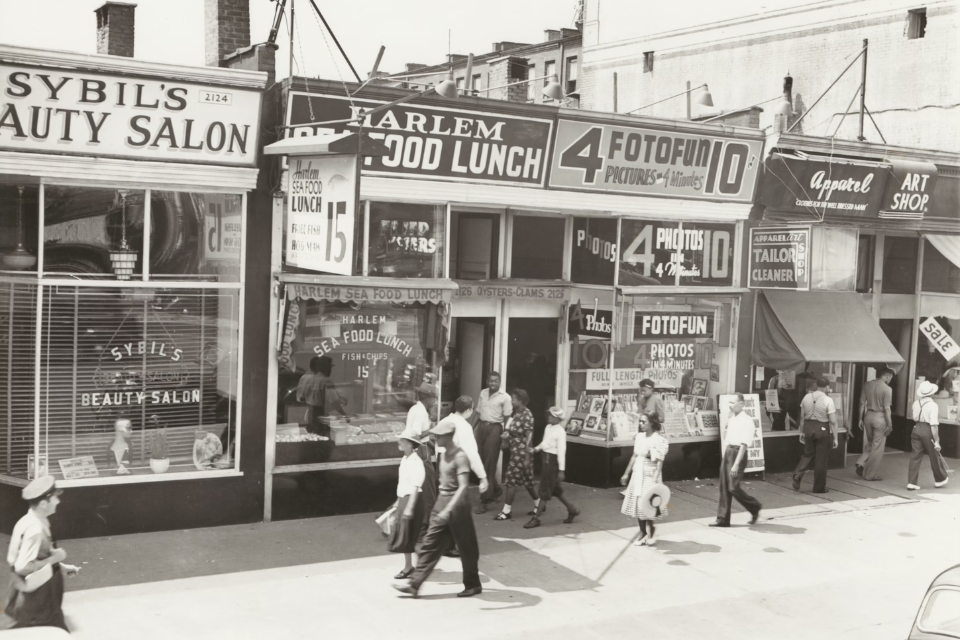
pixel 532 365
pixel 471 357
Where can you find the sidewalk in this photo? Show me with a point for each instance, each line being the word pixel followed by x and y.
pixel 132 559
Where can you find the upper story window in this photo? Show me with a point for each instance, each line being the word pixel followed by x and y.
pixel 900 264
pixel 648 61
pixel 537 251
pixel 474 246
pixel 916 23
pixel 570 75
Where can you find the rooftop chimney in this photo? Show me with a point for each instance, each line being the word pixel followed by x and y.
pixel 552 34
pixel 115 23
pixel 226 29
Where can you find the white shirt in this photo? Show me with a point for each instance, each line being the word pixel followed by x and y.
pixel 926 410
pixel 412 475
pixel 418 419
pixel 28 534
pixel 555 442
pixel 494 408
pixel 463 437
pixel 740 430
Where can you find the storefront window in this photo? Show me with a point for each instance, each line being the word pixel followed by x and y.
pixel 900 264
pixel 682 344
pixel 676 254
pixel 933 366
pixel 132 382
pixel 865 252
pixel 834 259
pixel 18 325
pixel 474 246
pixel 195 234
pixel 406 240
pixel 349 374
pixel 537 252
pixel 941 265
pixel 593 250
pixel 91 231
pixel 782 391
pixel 18 227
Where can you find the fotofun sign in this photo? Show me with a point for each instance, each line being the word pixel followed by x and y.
pixel 779 258
pixel 438 143
pixel 81 112
pixel 321 213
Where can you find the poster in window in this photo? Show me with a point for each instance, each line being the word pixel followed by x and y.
pixel 594 251
pixel 676 254
pixel 751 407
pixel 321 213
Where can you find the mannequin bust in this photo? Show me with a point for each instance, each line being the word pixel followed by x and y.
pixel 122 429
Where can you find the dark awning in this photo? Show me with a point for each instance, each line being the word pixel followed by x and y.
pixel 796 327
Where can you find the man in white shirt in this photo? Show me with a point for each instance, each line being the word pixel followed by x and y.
pixel 739 436
pixel 464 439
pixel 818 413
pixel 494 407
pixel 554 448
pixel 925 439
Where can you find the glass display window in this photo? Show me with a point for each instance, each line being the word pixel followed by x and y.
pixel 833 259
pixel 349 374
pixel 474 246
pixel 781 393
pixel 941 265
pixel 406 240
pixel 195 235
pixel 593 251
pixel 537 251
pixel 934 366
pixel 654 253
pixel 900 257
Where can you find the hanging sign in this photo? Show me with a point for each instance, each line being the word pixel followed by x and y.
pixel 591 322
pixel 506 291
pixel 43 109
pixel 940 339
pixel 909 187
pixel 438 143
pixel 779 258
pixel 614 158
pixel 823 188
pixel 321 213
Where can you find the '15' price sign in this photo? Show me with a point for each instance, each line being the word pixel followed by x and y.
pixel 321 213
pixel 681 254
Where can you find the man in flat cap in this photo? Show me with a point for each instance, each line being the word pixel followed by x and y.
pixel 451 521
pixel 650 402
pixel 38 565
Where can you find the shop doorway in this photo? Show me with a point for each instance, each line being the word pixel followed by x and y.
pixel 532 365
pixel 471 357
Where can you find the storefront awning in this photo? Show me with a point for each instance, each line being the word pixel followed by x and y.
pixel 353 289
pixel 796 327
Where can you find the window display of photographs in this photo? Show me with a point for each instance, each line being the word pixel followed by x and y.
pixel 698 387
pixel 702 403
pixel 689 404
pixel 596 405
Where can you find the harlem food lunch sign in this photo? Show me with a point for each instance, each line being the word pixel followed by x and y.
pixel 84 112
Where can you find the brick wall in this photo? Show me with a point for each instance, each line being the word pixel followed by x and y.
pixel 226 28
pixel 115 29
pixel 912 87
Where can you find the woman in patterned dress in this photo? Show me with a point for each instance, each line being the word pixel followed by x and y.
pixel 649 452
pixel 519 435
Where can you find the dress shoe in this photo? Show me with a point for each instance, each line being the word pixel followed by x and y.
pixel 755 516
pixel 912 487
pixel 877 479
pixel 466 593
pixel 717 523
pixel 796 483
pixel 571 515
pixel 452 553
pixel 941 484
pixel 481 509
pixel 860 470
pixel 823 491
pixel 533 523
pixel 406 588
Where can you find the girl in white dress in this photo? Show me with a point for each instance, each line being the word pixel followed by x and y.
pixel 646 465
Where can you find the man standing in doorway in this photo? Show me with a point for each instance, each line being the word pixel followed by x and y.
pixel 650 403
pixel 739 437
pixel 876 422
pixel 818 413
pixel 494 407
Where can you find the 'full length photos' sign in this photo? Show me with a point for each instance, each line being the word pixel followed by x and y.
pixel 321 213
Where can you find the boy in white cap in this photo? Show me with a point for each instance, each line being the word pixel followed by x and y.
pixel 37 596
pixel 925 439
pixel 554 448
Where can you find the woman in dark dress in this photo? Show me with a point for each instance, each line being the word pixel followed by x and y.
pixel 519 435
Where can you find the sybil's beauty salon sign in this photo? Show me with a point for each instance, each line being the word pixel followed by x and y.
pixel 44 109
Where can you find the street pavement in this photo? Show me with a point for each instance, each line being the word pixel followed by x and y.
pixel 853 563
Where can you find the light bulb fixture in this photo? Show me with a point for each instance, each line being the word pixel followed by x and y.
pixel 123 260
pixel 553 90
pixel 705 99
pixel 19 258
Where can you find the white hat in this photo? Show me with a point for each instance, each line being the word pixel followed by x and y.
pixel 556 412
pixel 654 500
pixel 926 389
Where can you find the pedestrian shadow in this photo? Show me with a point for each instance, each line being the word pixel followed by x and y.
pixel 782 529
pixel 512 599
pixel 685 547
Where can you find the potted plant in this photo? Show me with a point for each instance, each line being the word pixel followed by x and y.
pixel 159 451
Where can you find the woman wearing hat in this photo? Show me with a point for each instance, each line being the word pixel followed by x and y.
pixel 37 564
pixel 410 505
pixel 926 437
pixel 646 467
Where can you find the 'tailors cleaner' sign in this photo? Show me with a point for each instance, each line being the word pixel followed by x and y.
pixel 48 110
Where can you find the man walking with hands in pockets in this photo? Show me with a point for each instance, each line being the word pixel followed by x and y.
pixel 739 436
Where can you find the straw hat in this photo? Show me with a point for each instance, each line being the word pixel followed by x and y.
pixel 926 389
pixel 653 498
pixel 411 437
pixel 556 412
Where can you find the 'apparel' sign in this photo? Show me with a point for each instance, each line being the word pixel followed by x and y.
pixel 940 339
pixel 779 258
pixel 321 211
pixel 86 113
pixel 638 161
pixel 437 142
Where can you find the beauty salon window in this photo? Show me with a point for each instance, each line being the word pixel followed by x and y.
pixel 195 235
pixel 18 227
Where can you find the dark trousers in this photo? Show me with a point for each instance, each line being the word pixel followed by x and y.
pixel 440 537
pixel 921 440
pixel 816 453
pixel 730 487
pixel 488 442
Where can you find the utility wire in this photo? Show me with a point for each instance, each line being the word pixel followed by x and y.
pixel 334 36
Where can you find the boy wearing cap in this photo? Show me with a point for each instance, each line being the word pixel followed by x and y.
pixel 554 448
pixel 451 520
pixel 925 439
pixel 36 596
